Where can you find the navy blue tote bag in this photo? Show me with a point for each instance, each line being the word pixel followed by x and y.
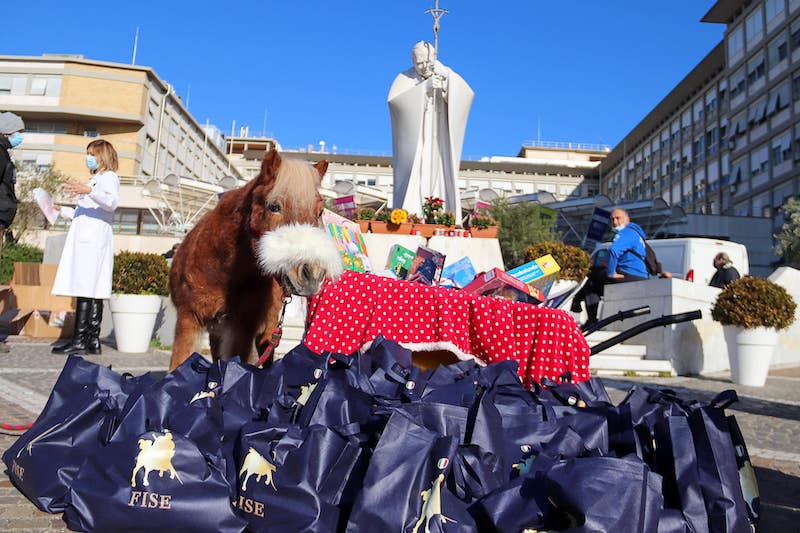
pixel 80 416
pixel 292 478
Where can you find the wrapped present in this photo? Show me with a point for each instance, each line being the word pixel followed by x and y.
pixel 540 273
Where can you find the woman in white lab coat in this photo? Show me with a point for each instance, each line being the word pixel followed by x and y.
pixel 87 261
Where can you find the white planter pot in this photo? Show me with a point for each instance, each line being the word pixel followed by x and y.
pixel 750 352
pixel 134 317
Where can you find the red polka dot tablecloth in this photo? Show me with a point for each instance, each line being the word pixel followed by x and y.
pixel 349 313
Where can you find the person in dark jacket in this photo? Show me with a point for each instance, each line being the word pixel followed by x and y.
pixel 11 128
pixel 725 271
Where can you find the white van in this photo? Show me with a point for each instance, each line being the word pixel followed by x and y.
pixel 692 258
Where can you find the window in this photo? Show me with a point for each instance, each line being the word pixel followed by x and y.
pixel 755 68
pixel 738 83
pixel 759 161
pixel 754 26
pixel 778 50
pixel 90 131
pixel 45 86
pixel 738 128
pixel 126 221
pixel 757 112
pixel 773 9
pixel 779 98
pixel 796 85
pixel 781 148
pixel 739 172
pixel 794 34
pixel 735 43
pixel 45 127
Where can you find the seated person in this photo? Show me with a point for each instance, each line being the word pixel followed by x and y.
pixel 624 263
pixel 725 273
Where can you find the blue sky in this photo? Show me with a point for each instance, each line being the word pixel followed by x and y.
pixel 568 70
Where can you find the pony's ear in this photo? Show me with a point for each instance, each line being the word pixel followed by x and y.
pixel 322 167
pixel 269 167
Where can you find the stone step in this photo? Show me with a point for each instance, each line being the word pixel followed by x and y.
pixel 602 364
pixel 633 350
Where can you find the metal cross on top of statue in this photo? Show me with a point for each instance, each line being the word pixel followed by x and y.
pixel 436 13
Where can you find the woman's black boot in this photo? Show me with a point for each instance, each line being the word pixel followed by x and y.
pixel 93 332
pixel 78 343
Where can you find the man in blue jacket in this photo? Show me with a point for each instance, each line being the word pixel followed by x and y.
pixel 627 251
pixel 625 263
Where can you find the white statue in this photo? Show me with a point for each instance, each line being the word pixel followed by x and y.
pixel 429 105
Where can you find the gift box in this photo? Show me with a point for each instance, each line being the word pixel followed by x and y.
pixel 501 284
pixel 539 274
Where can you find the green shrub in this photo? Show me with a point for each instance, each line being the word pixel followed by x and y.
pixel 17 253
pixel 574 262
pixel 140 273
pixel 365 213
pixel 446 218
pixel 384 215
pixel 752 302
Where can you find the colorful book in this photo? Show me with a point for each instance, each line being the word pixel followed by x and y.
pixel 427 266
pixel 349 242
pixel 461 273
pixel 400 260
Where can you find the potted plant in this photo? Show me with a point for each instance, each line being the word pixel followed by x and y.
pixel 431 209
pixel 138 282
pixel 482 224
pixel 398 222
pixel 365 215
pixel 752 310
pixel 446 218
pixel 379 223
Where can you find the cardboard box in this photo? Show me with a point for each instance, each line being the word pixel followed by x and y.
pixel 34 274
pixel 462 272
pixel 426 266
pixel 500 284
pixel 39 324
pixel 539 274
pixel 400 260
pixel 39 297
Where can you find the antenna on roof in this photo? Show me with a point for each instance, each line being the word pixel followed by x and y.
pixel 135 45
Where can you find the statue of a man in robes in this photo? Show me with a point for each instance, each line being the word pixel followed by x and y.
pixel 429 105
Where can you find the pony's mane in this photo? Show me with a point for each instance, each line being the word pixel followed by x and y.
pixel 297 180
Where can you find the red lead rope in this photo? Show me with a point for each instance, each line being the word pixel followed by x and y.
pixel 16 427
pixel 275 340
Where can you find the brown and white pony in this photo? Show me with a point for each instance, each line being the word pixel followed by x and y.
pixel 261 242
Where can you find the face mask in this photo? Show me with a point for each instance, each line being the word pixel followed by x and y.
pixel 91 162
pixel 618 228
pixel 15 139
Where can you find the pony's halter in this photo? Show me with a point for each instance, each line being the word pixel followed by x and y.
pixel 277 333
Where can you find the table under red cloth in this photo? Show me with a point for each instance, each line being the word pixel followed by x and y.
pixel 349 313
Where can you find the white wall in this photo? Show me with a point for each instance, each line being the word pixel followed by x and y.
pixel 699 346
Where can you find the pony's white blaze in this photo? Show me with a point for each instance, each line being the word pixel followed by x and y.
pixel 303 253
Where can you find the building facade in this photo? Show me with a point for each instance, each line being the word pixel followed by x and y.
pixel 726 139
pixel 67 100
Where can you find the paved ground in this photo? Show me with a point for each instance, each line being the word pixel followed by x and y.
pixel 769 418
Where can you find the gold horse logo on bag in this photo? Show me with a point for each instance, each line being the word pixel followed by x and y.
pixel 432 506
pixel 155 455
pixel 256 465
